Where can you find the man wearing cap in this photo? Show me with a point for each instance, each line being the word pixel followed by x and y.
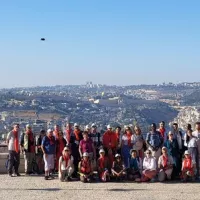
pixel 28 147
pixel 188 167
pixel 85 169
pixel 66 167
pixel 154 141
pixel 77 134
pixel 103 167
pixel 165 166
pixel 96 137
pixel 49 149
pixel 110 143
pixel 13 141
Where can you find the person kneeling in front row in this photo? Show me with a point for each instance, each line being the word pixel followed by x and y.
pixel 103 167
pixel 165 166
pixel 188 168
pixel 85 169
pixel 118 169
pixel 66 167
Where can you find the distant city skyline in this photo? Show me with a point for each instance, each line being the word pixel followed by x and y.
pixel 106 42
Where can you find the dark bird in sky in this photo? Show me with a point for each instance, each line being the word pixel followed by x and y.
pixel 42 39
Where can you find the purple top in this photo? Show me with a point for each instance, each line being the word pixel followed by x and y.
pixel 86 146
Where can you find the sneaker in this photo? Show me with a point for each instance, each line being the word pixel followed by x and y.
pixel 46 178
pixel 10 175
pixel 18 174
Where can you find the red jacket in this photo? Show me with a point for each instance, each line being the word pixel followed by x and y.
pixel 110 140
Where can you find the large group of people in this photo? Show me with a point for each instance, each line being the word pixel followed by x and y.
pixel 160 155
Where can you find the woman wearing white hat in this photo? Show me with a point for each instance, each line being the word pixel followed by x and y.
pixel 85 168
pixel 103 166
pixel 188 168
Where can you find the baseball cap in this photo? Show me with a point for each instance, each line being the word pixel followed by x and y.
pixel 101 151
pixel 85 154
pixel 117 155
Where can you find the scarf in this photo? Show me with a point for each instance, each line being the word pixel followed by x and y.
pixel 51 140
pixel 66 159
pixel 85 166
pixel 16 141
pixel 129 134
pixel 61 145
pixel 101 162
pixel 162 131
pixel 68 134
pixel 76 133
pixel 165 160
pixel 187 163
pixel 31 139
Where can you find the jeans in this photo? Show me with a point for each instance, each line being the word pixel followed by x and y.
pixel 14 161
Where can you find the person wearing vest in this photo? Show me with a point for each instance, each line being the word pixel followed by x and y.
pixel 196 134
pixel 60 145
pixel 162 130
pixel 66 167
pixel 119 138
pixel 39 152
pixel 165 166
pixel 172 148
pixel 49 149
pixel 126 145
pixel 118 169
pixel 188 168
pixel 103 167
pixel 28 147
pixel 149 167
pixel 68 133
pixel 85 169
pixel 154 141
pixel 13 141
pixel 135 166
pixel 110 144
pixel 77 134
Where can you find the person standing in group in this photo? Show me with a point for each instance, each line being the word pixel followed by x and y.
pixel 138 142
pixel 56 131
pixel 49 149
pixel 119 138
pixel 126 145
pixel 39 152
pixel 196 134
pixel 165 166
pixel 154 141
pixel 66 167
pixel 60 145
pixel 28 147
pixel 13 141
pixel 172 148
pixel 178 135
pixel 162 130
pixel 110 144
pixel 68 132
pixel 96 138
pixel 77 134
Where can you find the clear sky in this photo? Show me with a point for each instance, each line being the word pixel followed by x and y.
pixel 118 42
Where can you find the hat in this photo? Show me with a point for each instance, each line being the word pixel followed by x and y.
pixel 66 148
pixel 131 151
pixel 117 155
pixel 49 130
pixel 109 126
pixel 187 152
pixel 101 151
pixel 170 133
pixel 28 126
pixel 85 154
pixel 94 125
pixel 76 125
pixel 87 127
pixel 164 148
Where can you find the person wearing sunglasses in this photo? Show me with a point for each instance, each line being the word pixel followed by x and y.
pixel 66 167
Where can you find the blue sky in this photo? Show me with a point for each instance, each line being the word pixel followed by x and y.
pixel 104 41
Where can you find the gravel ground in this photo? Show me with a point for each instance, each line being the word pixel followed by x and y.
pixel 28 188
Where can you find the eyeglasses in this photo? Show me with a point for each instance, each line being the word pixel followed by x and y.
pixel 67 150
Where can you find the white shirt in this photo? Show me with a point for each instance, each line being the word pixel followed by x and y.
pixel 191 143
pixel 125 139
pixel 63 163
pixel 149 163
pixel 196 134
pixel 11 138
